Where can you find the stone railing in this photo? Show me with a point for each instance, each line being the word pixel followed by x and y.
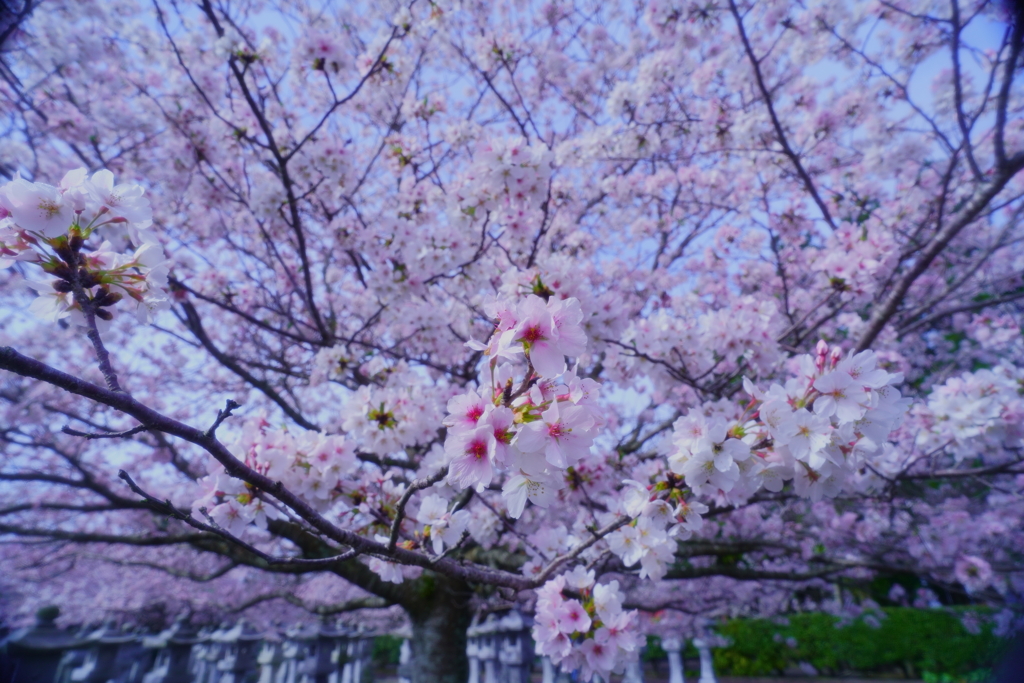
pixel 236 653
pixel 499 647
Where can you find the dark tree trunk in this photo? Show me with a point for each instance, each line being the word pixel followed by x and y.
pixel 438 608
pixel 440 615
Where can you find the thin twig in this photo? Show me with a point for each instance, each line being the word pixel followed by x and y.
pixel 111 435
pixel 222 415
pixel 417 485
pixel 596 536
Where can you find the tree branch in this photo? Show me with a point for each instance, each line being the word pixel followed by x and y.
pixel 15 362
pixel 942 238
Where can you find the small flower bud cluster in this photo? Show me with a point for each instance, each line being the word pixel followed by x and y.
pixel 440 526
pixel 592 634
pixel 853 259
pixel 526 423
pixel 818 430
pixel 51 226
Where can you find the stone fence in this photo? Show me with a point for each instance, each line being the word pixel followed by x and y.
pixel 181 654
pixel 499 647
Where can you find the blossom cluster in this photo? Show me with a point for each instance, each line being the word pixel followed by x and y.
pixel 817 430
pixel 437 525
pixel 51 226
pixel 386 419
pixel 234 45
pixel 440 525
pixel 854 258
pixel 534 429
pixel 322 51
pixel 700 342
pixel 310 464
pixel 356 178
pixel 507 175
pixel 974 573
pixel 593 633
pixel 658 524
pixel 976 414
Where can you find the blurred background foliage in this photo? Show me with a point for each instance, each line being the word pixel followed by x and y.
pixel 945 645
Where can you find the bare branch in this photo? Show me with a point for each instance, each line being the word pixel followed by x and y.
pixel 222 415
pixel 109 435
pixel 780 133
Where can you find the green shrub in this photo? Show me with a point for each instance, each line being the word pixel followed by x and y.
pixel 386 650
pixel 913 641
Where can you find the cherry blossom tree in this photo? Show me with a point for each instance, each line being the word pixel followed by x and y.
pixel 599 308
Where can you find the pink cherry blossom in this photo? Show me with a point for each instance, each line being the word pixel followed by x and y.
pixel 561 434
pixel 471 453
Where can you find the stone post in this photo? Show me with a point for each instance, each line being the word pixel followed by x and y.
pixel 209 655
pixel 222 670
pixel 673 647
pixel 634 672
pixel 306 654
pixel 269 660
pixel 707 666
pixel 197 658
pixel 101 662
pixel 368 672
pixel 132 659
pixel 173 649
pixel 360 657
pixel 488 650
pixel 291 651
pixel 351 661
pixel 547 670
pixel 240 649
pixel 325 660
pixel 404 657
pixel 337 639
pixel 473 649
pixel 69 661
pixel 515 651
